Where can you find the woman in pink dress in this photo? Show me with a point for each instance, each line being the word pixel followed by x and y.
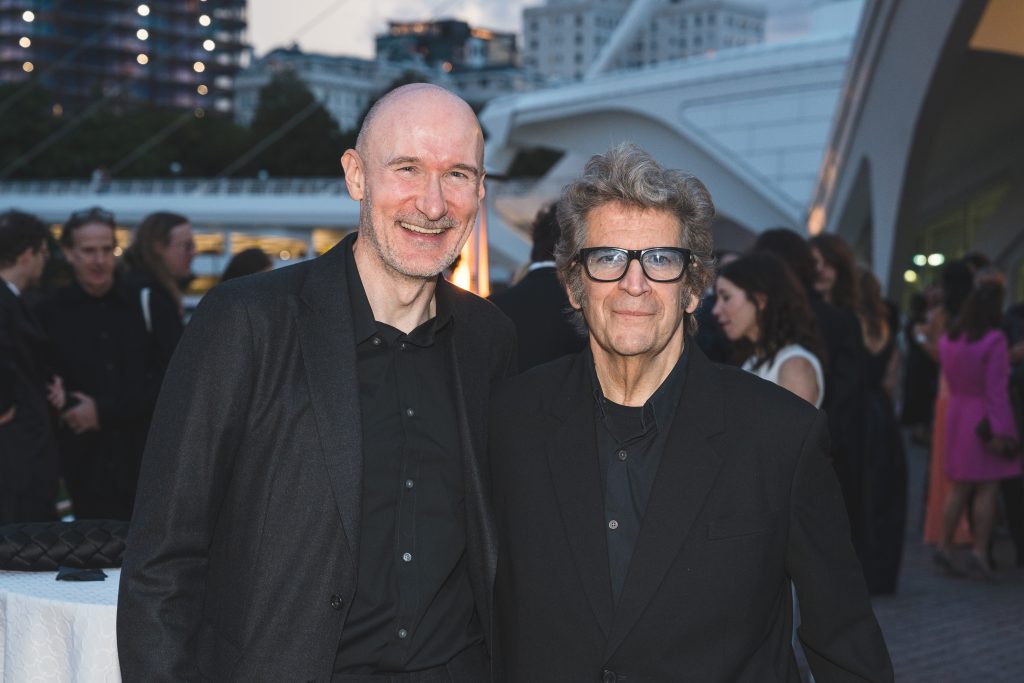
pixel 975 364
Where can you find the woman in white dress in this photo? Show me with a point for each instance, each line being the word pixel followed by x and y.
pixel 763 309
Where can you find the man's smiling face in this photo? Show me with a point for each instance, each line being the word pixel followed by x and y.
pixel 419 176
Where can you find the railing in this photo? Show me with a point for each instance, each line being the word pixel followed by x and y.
pixel 329 185
pixel 179 186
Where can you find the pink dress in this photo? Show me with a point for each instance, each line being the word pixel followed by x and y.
pixel 977 374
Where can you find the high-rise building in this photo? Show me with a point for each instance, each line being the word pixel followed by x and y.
pixel 448 43
pixel 169 53
pixel 476 63
pixel 561 38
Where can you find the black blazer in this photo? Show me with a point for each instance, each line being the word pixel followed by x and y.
pixel 537 305
pixel 745 501
pixel 28 452
pixel 241 560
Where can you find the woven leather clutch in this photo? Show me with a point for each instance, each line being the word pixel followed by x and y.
pixel 44 546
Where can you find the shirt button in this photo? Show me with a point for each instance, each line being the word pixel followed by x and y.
pixel 402 346
pixel 622 455
pixel 613 525
pixel 409 483
pixel 409 412
pixel 336 602
pixel 609 676
pixel 402 633
pixel 407 557
pixel 376 341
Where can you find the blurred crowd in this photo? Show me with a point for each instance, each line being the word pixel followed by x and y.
pixel 85 340
pixel 82 361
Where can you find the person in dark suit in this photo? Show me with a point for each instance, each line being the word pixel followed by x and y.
pixel 537 304
pixel 111 346
pixel 654 508
pixel 28 454
pixel 312 503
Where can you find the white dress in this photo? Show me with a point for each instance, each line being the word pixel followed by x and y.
pixel 770 371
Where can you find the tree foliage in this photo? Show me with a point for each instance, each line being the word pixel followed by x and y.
pixel 173 142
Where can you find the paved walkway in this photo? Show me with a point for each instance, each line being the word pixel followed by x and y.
pixel 942 630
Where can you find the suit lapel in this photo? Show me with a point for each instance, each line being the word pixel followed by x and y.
pixel 470 373
pixel 324 323
pixel 576 475
pixel 686 474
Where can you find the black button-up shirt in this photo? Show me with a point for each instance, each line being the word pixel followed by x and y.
pixel 414 607
pixel 630 444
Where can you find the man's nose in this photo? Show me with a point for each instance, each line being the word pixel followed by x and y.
pixel 431 202
pixel 634 281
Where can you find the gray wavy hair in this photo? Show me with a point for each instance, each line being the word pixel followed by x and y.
pixel 626 174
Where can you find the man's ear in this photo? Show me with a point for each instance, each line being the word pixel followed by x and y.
pixel 355 175
pixel 572 299
pixel 760 300
pixel 692 305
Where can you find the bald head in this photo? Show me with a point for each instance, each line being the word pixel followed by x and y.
pixel 406 102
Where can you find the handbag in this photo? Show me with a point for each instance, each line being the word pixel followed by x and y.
pixel 44 546
pixel 1003 446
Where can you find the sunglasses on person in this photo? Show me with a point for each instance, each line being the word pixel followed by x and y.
pixel 91 215
pixel 659 264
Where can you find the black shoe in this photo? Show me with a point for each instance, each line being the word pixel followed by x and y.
pixel 945 565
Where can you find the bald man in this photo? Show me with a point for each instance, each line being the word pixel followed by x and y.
pixel 312 503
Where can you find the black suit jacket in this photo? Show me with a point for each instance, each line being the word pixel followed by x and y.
pixel 537 305
pixel 745 501
pixel 242 556
pixel 28 452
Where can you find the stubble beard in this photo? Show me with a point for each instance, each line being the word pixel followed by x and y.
pixel 388 256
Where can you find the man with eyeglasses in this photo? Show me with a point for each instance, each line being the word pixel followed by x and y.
pixel 655 508
pixel 111 346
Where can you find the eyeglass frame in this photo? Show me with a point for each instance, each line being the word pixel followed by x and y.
pixel 637 254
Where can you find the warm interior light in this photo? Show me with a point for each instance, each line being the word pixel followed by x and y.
pixel 936 259
pixel 142 34
pixel 29 16
pixel 142 59
pixel 204 19
pixel 209 45
pixel 202 89
pixel 910 276
pixel 25 41
pixel 920 260
pixel 143 10
pixel 199 67
pixel 27 67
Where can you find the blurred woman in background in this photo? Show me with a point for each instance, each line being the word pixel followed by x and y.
pixel 160 257
pixel 981 436
pixel 763 310
pixel 247 262
pixel 885 466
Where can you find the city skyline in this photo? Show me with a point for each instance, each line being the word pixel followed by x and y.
pixel 346 27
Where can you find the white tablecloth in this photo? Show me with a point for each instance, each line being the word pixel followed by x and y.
pixel 56 631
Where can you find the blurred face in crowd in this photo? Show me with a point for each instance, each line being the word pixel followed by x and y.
pixel 418 174
pixel 736 314
pixel 634 316
pixel 37 262
pixel 179 251
pixel 91 257
pixel 826 279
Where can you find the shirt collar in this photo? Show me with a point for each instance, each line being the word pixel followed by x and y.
pixel 13 287
pixel 662 404
pixel 364 325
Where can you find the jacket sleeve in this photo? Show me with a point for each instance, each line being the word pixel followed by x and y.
pixel 7 374
pixel 200 421
pixel 838 630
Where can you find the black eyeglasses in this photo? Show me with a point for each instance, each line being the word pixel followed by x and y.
pixel 609 264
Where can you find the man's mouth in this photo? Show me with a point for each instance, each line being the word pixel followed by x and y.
pixel 420 229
